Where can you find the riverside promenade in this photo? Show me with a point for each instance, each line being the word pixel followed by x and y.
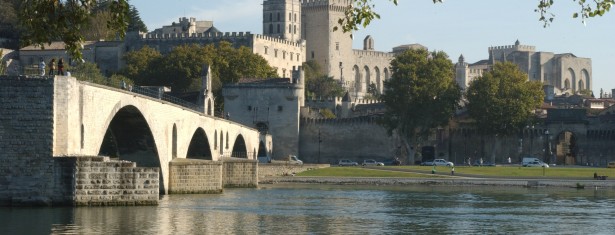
pixel 443 179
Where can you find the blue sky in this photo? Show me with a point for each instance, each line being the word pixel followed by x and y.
pixel 457 27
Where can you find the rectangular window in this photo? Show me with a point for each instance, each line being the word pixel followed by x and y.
pixel 280 108
pixel 249 107
pixel 266 50
pixel 275 53
pixel 337 46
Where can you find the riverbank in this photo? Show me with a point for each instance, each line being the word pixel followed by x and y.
pixel 452 181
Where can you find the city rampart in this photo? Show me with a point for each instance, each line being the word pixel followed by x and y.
pixel 328 140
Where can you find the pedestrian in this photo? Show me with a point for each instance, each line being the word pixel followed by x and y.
pixel 469 161
pixel 433 169
pixel 41 67
pixel 453 171
pixel 228 115
pixel 509 161
pixel 481 161
pixel 52 66
pixel 61 67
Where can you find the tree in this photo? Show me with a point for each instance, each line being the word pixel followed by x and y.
pixel 135 23
pixel 421 95
pixel 324 87
pixel 97 27
pixel 362 13
pixel 502 101
pixel 372 92
pixel 139 62
pixel 45 21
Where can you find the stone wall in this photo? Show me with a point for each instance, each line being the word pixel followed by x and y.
pixel 279 168
pixel 195 176
pixel 239 173
pixel 99 181
pixel 26 135
pixel 352 138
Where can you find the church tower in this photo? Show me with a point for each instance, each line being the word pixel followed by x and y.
pixel 282 19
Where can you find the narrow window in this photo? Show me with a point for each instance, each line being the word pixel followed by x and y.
pixel 270 28
pixel 266 51
pixel 280 108
pixel 278 28
pixel 312 54
pixel 249 107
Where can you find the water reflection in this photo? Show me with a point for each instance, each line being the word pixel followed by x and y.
pixel 319 209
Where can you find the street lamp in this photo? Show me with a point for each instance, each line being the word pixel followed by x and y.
pixel 547 144
pixel 319 141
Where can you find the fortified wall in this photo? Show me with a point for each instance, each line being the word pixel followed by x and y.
pixel 351 138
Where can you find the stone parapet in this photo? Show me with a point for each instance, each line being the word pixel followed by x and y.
pixel 187 176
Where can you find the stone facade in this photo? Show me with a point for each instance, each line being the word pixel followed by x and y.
pixel 271 106
pixel 566 72
pixel 356 69
pixel 239 173
pixel 195 176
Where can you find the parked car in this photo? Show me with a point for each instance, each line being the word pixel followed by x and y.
pixel 392 162
pixel 346 162
pixel 437 162
pixel 537 164
pixel 372 162
pixel 477 163
pixel 292 159
pixel 611 165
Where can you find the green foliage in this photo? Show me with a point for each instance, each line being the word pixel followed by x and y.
pixel 97 27
pixel 421 95
pixel 372 92
pixel 326 113
pixel 139 63
pixel 182 67
pixel 135 23
pixel 362 12
pixel 45 21
pixel 503 99
pixel 324 87
pixel 8 19
pixel 89 72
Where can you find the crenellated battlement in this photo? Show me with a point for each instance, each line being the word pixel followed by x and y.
pixel 341 121
pixel 217 35
pixel 372 54
pixel 279 40
pixel 318 5
pixel 513 47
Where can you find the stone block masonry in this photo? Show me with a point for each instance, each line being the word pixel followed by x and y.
pixel 187 176
pixel 239 173
pixel 99 181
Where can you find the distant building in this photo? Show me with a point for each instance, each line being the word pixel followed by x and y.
pixel 566 73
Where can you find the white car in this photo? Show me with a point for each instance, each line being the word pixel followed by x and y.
pixel 372 162
pixel 438 162
pixel 346 162
pixel 537 164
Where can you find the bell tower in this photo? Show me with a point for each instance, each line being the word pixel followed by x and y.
pixel 282 19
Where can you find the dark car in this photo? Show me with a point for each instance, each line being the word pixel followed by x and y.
pixel 392 162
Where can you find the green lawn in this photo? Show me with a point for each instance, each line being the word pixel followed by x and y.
pixel 498 171
pixel 361 172
pixel 517 171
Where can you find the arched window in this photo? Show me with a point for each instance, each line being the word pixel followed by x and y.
pixel 215 139
pixel 567 84
pixel 290 16
pixel 581 85
pixel 290 28
pixel 295 29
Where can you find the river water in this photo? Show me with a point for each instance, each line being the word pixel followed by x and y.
pixel 331 209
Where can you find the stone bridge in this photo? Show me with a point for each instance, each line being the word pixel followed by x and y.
pixel 94 120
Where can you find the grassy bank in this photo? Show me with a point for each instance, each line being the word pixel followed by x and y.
pixel 362 172
pixel 498 172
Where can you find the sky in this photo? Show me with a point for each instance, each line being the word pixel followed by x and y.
pixel 456 27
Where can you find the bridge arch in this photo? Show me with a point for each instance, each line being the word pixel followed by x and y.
pixel 128 136
pixel 199 146
pixel 239 148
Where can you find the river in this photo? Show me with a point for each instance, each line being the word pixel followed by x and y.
pixel 332 209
